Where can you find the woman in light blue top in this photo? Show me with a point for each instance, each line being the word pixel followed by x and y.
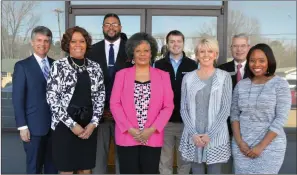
pixel 205 107
pixel 260 108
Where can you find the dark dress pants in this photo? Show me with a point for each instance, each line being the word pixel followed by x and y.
pixel 139 159
pixel 39 155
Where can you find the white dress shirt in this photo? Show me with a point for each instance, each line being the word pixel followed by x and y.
pixel 39 60
pixel 116 47
pixel 242 67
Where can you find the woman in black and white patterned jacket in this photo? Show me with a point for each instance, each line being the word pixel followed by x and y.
pixel 76 94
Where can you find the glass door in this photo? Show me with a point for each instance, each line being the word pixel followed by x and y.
pixel 157 20
pixel 132 20
pixel 192 23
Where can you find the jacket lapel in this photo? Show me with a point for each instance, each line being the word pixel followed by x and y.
pixel 195 86
pixel 129 85
pixel 121 57
pixel 155 92
pixel 246 74
pixel 103 55
pixel 215 82
pixel 50 61
pixel 36 69
pixel 170 67
pixel 93 79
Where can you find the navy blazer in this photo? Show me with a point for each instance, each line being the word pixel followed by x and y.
pixel 29 96
pixel 97 54
pixel 230 67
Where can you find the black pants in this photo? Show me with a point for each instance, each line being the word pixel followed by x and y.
pixel 139 159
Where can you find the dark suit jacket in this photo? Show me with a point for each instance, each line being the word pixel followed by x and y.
pixel 230 67
pixel 29 96
pixel 97 54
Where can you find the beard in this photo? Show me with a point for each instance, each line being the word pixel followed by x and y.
pixel 111 38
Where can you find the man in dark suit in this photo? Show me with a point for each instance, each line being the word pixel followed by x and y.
pixel 239 48
pixel 110 54
pixel 32 113
pixel 237 68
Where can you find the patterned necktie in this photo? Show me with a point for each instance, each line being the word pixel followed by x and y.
pixel 45 69
pixel 238 75
pixel 111 56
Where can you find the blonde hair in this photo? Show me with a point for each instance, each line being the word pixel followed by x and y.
pixel 210 43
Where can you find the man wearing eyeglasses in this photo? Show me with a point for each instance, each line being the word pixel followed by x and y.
pixel 240 47
pixel 110 54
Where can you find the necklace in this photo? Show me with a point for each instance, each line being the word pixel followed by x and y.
pixel 251 86
pixel 79 68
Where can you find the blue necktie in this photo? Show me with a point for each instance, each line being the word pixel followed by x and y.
pixel 111 56
pixel 45 69
pixel 111 72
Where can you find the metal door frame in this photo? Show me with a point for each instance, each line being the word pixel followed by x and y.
pixel 147 11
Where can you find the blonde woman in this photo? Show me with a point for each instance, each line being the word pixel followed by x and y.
pixel 205 107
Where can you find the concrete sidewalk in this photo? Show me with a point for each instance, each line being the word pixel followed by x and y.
pixel 13 156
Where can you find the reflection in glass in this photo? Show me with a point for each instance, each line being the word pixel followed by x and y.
pixel 255 19
pixel 93 24
pixel 192 27
pixel 16 26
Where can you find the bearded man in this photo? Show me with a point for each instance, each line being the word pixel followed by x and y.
pixel 110 54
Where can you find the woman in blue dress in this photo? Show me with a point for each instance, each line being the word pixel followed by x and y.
pixel 259 111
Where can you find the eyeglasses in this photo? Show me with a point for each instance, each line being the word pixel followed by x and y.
pixel 111 24
pixel 243 46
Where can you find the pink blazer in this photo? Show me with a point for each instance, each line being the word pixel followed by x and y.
pixel 123 108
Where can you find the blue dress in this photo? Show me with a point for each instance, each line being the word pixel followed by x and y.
pixel 261 108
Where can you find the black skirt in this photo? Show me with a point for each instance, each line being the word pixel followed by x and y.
pixel 71 153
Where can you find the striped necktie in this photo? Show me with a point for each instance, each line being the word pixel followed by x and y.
pixel 45 69
pixel 238 74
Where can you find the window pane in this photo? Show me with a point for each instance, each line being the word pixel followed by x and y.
pixel 192 27
pixel 130 25
pixel 146 2
pixel 16 41
pixel 273 23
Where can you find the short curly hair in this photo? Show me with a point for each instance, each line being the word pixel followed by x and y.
pixel 67 36
pixel 137 39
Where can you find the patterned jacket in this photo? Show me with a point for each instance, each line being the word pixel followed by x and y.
pixel 218 149
pixel 60 88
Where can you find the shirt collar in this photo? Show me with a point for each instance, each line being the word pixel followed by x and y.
pixel 38 58
pixel 176 61
pixel 242 64
pixel 116 43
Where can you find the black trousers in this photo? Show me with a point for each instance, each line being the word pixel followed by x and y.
pixel 139 159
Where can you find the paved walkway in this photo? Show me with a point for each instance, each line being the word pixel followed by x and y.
pixel 13 156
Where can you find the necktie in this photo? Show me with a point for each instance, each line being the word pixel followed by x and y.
pixel 45 69
pixel 111 56
pixel 238 75
pixel 111 72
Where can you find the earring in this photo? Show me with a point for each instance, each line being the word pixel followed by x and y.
pixel 133 62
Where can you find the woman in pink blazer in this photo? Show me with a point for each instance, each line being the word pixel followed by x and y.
pixel 141 104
